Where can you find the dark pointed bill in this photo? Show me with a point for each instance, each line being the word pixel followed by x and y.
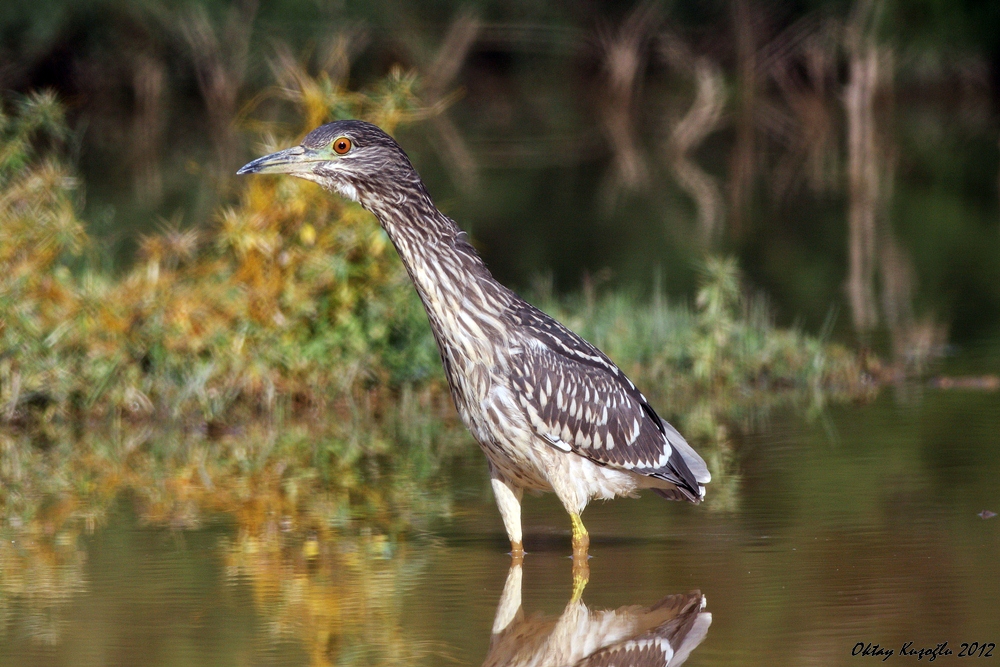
pixel 288 161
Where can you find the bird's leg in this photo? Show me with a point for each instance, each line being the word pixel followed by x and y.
pixel 581 565
pixel 509 607
pixel 509 503
pixel 581 538
pixel 581 575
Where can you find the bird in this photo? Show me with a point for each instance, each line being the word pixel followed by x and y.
pixel 550 411
pixel 663 635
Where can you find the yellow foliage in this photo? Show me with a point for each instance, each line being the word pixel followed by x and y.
pixel 274 296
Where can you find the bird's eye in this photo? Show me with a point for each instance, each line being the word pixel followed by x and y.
pixel 341 145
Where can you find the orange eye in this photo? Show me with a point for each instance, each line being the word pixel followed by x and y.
pixel 341 145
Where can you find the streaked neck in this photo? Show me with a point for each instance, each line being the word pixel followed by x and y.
pixel 460 295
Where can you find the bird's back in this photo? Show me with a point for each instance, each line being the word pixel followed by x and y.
pixel 580 402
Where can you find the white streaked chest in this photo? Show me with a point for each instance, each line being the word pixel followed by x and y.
pixel 510 441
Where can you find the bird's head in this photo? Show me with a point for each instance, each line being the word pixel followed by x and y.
pixel 352 157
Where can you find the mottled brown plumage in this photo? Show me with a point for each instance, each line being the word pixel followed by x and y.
pixel 550 410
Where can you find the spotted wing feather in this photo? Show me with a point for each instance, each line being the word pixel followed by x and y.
pixel 580 401
pixel 667 645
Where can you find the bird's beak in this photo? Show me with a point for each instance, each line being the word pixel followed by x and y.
pixel 295 160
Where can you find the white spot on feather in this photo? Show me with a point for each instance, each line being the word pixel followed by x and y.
pixel 558 443
pixel 347 190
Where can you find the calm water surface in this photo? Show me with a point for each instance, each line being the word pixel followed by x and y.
pixel 860 526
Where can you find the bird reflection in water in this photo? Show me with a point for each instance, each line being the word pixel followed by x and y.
pixel 662 635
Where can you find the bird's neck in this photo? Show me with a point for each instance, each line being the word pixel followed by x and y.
pixel 461 297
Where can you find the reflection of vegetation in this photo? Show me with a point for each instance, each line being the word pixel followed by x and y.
pixel 319 579
pixel 342 599
pixel 42 569
pixel 379 462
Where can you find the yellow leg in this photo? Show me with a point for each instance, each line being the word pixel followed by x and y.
pixel 581 566
pixel 581 575
pixel 581 538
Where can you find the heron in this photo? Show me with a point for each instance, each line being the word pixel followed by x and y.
pixel 663 635
pixel 550 411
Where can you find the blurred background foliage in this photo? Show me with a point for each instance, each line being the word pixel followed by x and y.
pixel 844 151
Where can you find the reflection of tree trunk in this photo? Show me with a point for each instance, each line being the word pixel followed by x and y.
pixel 624 60
pixel 812 143
pixel 452 54
pixel 896 273
pixel 700 120
pixel 743 158
pixel 914 340
pixel 863 182
pixel 870 171
pixel 147 128
pixel 220 65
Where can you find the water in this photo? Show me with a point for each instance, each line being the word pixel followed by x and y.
pixel 857 527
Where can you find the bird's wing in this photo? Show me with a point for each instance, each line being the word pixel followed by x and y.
pixel 581 402
pixel 667 645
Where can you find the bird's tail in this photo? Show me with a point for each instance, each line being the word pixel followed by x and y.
pixel 680 493
pixel 694 462
pixel 685 470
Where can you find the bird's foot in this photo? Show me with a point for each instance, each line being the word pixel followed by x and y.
pixel 516 554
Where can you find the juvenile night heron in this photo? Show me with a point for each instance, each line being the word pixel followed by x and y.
pixel 663 635
pixel 550 411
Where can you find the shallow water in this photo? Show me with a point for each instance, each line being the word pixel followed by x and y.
pixel 860 526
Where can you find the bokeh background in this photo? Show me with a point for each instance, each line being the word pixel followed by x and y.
pixel 845 152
